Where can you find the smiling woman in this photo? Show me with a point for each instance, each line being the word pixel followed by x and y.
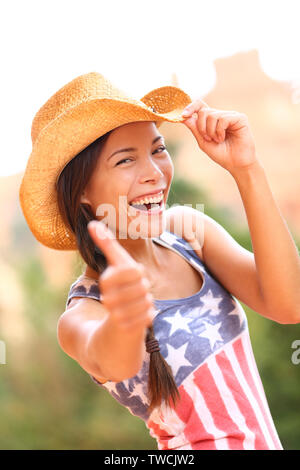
pixel 147 320
pixel 147 171
pixel 102 183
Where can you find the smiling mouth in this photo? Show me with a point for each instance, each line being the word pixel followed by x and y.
pixel 150 208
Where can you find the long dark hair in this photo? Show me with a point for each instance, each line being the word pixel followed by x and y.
pixel 76 215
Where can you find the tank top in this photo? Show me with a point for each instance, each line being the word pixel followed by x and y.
pixel 205 339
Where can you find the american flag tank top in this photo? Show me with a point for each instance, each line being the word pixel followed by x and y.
pixel 205 339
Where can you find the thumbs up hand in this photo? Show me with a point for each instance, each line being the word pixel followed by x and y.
pixel 123 284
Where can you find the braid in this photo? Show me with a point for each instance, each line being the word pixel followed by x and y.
pixel 161 383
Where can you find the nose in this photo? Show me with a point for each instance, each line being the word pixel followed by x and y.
pixel 151 171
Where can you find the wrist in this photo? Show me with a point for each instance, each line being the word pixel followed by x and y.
pixel 247 171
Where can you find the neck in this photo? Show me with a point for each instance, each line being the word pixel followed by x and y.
pixel 142 250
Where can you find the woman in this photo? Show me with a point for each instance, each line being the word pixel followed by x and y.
pixel 155 318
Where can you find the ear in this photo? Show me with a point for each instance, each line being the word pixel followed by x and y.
pixel 84 199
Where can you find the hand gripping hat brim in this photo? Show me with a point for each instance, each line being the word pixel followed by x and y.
pixel 79 113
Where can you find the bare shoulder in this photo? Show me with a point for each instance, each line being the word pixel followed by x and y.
pixel 188 223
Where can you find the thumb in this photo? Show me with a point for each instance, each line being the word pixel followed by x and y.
pixel 105 240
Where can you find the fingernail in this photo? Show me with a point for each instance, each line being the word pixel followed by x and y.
pixel 206 137
pixel 186 112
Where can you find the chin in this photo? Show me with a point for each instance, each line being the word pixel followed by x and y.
pixel 146 227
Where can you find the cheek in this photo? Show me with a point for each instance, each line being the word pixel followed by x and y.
pixel 114 194
pixel 169 168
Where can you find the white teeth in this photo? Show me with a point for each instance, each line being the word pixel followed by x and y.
pixel 147 200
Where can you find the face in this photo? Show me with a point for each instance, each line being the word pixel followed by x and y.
pixel 121 178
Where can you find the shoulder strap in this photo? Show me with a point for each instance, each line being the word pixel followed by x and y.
pixel 84 287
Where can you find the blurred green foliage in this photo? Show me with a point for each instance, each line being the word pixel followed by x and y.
pixel 47 401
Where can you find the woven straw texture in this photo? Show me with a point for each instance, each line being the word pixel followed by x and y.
pixel 75 116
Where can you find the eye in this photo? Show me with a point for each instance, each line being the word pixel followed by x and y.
pixel 161 148
pixel 124 160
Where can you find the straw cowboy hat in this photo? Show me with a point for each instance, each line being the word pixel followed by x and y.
pixel 75 116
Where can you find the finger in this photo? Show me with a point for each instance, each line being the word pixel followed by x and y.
pixel 144 317
pixel 125 293
pixel 136 307
pixel 215 121
pixel 111 248
pixel 201 123
pixel 221 129
pixel 211 124
pixel 121 276
pixel 193 107
pixel 201 138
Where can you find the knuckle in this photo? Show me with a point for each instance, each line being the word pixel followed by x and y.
pixel 146 282
pixel 127 324
pixel 220 124
pixel 149 297
pixel 142 288
pixel 110 301
pixel 138 271
pixel 107 277
pixel 148 301
pixel 205 110
pixel 104 284
pixel 210 118
pixel 141 267
pixel 201 124
pixel 150 316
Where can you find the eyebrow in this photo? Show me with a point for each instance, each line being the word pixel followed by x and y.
pixel 131 149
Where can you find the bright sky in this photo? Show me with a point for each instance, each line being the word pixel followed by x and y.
pixel 137 44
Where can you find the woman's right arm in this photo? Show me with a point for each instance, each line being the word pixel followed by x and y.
pixel 108 339
pixel 86 333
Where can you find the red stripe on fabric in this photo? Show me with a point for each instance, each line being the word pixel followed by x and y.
pixel 217 408
pixel 241 399
pixel 195 431
pixel 239 350
pixel 160 434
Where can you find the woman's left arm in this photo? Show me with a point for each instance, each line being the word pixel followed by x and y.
pixel 276 255
pixel 226 138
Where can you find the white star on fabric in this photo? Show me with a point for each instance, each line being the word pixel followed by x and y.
pixel 178 359
pixel 212 303
pixel 212 333
pixel 111 386
pixel 178 323
pixel 237 312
